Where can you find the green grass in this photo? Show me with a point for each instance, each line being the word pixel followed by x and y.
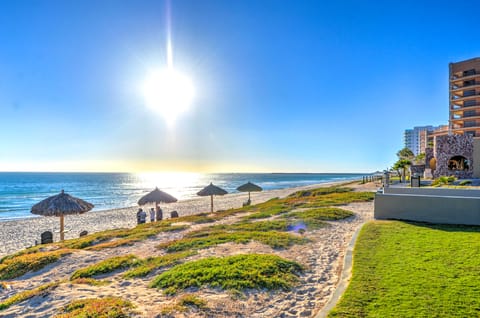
pixel 239 272
pixel 106 266
pixel 21 263
pixel 109 307
pixel 272 238
pixel 42 290
pixel 150 264
pixel 414 270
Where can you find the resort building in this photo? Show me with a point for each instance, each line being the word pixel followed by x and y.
pixel 464 97
pixel 416 139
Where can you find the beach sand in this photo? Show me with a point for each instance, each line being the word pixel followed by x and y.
pixel 19 234
pixel 323 259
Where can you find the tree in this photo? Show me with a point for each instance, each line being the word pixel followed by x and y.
pixel 405 153
pixel 402 165
pixel 419 159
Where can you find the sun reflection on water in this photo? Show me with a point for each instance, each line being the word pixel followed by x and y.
pixel 179 184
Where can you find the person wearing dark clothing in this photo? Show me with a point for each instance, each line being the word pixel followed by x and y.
pixel 159 214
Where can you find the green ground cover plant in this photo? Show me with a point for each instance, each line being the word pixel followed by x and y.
pixel 321 197
pixel 272 238
pixel 90 281
pixel 320 214
pixel 21 263
pixel 238 272
pixel 261 226
pixel 111 307
pixel 107 266
pixel 150 264
pixel 120 237
pixel 41 290
pixel 414 270
pixel 443 180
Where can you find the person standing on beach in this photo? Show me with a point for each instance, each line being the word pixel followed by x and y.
pixel 152 215
pixel 159 214
pixel 142 216
pixel 138 215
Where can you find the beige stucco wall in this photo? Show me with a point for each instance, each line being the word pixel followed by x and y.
pixel 476 158
pixel 426 208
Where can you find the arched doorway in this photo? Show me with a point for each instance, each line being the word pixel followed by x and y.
pixel 458 163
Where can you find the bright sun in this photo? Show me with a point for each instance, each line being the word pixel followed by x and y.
pixel 168 92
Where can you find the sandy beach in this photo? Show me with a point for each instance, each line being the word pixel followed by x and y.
pixel 323 258
pixel 23 233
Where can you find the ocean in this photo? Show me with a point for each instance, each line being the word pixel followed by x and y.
pixel 19 191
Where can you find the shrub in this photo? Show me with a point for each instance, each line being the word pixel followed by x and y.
pixel 465 182
pixel 238 272
pixel 271 238
pixel 106 266
pixel 16 266
pixel 42 290
pixel 152 263
pixel 110 307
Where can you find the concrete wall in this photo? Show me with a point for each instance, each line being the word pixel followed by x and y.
pixel 428 208
pixel 434 191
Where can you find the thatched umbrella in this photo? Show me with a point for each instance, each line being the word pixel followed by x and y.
pixel 156 196
pixel 249 187
pixel 211 190
pixel 60 205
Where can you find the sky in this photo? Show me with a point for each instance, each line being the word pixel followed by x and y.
pixel 279 86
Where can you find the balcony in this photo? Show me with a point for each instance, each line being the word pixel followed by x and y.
pixel 460 98
pixel 457 88
pixel 458 78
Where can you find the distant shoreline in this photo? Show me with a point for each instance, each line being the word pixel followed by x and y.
pixel 20 191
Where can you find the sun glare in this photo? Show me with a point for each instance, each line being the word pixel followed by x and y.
pixel 168 92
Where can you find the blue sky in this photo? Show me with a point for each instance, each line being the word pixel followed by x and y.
pixel 284 86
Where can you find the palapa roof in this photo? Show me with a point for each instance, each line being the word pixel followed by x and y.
pixel 211 190
pixel 156 196
pixel 249 187
pixel 61 204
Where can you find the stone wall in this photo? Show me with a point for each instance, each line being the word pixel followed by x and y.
pixel 447 147
pixel 417 170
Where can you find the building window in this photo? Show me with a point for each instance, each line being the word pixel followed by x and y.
pixel 470 123
pixel 469 72
pixel 469 93
pixel 469 113
pixel 469 103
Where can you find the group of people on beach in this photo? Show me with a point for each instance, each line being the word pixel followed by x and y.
pixel 154 215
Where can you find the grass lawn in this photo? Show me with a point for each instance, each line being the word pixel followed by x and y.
pixel 414 270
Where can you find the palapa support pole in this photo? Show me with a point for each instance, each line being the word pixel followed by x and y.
pixel 62 237
pixel 248 196
pixel 211 203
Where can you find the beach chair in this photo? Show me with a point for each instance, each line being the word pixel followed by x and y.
pixel 174 214
pixel 46 237
pixel 83 233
